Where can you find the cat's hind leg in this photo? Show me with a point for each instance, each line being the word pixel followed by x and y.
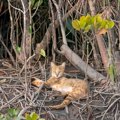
pixel 77 94
pixel 66 101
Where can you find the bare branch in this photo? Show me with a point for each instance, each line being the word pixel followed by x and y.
pixel 60 21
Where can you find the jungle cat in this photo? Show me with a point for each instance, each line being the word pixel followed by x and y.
pixel 71 88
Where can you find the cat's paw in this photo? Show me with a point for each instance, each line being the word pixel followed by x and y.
pixel 36 82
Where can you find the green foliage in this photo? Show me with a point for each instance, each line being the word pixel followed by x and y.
pixel 76 24
pixel 33 116
pixel 18 49
pixel 42 52
pixel 112 72
pixel 96 22
pixel 35 3
pixel 69 26
pixel 30 29
pixel 112 68
pixel 12 114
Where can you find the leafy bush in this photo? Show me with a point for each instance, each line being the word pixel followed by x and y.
pixel 33 116
pixel 96 23
pixel 12 114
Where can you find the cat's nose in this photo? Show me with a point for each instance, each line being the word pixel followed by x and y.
pixel 57 75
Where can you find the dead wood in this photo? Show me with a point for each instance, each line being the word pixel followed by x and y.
pixel 81 65
pixel 46 39
pixel 103 103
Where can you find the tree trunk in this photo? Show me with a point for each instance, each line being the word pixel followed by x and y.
pixel 99 38
pixel 46 39
pixel 26 41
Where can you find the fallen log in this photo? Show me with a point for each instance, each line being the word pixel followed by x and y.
pixel 81 65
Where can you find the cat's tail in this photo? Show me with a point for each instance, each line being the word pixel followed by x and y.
pixel 66 102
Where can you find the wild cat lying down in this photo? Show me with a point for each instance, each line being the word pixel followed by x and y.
pixel 71 88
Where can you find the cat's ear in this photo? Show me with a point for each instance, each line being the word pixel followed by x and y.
pixel 52 64
pixel 63 64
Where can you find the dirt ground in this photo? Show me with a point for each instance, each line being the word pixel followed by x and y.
pixel 103 102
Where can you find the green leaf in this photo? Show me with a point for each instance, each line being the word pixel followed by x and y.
pixel 83 20
pixel 30 29
pixel 92 20
pixel 107 26
pixel 42 52
pixel 76 24
pixel 103 24
pixel 34 116
pixel 69 26
pixel 18 49
pixel 99 18
pixel 32 2
pixel 96 22
pixel 87 19
pixel 28 117
pixel 87 28
pixel 38 4
pixel 13 112
pixel 112 72
pixel 111 24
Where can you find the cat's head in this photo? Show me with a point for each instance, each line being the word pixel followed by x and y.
pixel 57 71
